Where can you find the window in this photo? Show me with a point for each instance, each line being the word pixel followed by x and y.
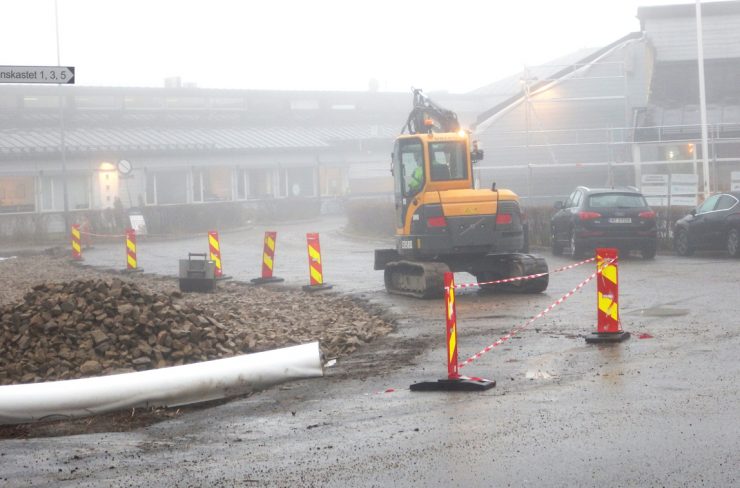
pixel 167 187
pixel 708 204
pixel 409 162
pixel 212 185
pixel 300 182
pixel 16 194
pixel 616 200
pixel 52 192
pixel 242 183
pixel 260 183
pixel 571 199
pixel 726 202
pixel 185 102
pixel 304 104
pixel 448 161
pixel 331 181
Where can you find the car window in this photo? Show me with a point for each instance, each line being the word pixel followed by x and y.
pixel 616 200
pixel 725 202
pixel 578 196
pixel 571 199
pixel 708 204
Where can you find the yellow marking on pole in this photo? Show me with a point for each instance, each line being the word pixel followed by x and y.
pixel 610 273
pixel 217 260
pixel 316 276
pixel 130 245
pixel 453 341
pixel 75 233
pixel 131 261
pixel 314 254
pixel 608 306
pixel 267 260
pixel 270 243
pixel 451 303
pixel 213 242
pixel 76 246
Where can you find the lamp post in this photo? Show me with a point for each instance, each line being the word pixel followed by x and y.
pixel 62 142
pixel 702 100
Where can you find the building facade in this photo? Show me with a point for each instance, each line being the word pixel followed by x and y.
pixel 624 111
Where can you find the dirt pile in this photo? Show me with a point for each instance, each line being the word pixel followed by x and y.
pixel 92 327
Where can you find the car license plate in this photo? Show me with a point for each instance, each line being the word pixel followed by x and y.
pixel 620 220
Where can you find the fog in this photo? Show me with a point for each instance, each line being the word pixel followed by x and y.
pixel 297 45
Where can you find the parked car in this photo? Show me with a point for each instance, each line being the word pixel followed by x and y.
pixel 715 224
pixel 598 217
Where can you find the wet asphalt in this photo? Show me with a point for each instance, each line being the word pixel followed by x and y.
pixel 660 409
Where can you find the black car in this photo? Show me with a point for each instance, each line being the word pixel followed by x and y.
pixel 713 225
pixel 592 218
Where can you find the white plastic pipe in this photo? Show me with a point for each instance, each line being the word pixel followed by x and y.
pixel 165 387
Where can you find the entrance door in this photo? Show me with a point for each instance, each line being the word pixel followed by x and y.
pixel 408 174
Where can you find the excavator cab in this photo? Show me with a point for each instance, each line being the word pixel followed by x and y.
pixel 428 163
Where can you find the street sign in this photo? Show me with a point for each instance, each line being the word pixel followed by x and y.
pixel 684 189
pixel 655 189
pixel 59 75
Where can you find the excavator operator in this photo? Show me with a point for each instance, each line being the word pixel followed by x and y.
pixel 417 174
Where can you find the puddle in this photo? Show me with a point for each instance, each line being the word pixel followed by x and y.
pixel 661 312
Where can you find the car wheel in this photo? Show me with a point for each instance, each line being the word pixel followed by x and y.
pixel 681 244
pixel 649 251
pixel 733 243
pixel 576 248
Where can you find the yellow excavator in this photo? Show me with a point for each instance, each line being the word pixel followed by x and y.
pixel 442 222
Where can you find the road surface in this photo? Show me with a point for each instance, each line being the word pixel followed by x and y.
pixel 659 411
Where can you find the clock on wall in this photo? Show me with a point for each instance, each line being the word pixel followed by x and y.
pixel 124 166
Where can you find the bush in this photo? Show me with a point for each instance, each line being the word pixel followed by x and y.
pixel 371 217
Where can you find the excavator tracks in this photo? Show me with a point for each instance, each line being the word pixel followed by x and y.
pixel 415 279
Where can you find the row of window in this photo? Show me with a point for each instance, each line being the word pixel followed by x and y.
pixel 20 194
pixel 113 102
pixel 181 186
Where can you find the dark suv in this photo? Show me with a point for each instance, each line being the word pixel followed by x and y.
pixel 597 217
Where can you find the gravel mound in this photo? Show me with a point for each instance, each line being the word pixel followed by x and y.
pixel 91 327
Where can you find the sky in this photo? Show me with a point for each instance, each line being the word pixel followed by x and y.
pixel 454 46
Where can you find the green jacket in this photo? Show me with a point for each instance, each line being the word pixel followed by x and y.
pixel 417 176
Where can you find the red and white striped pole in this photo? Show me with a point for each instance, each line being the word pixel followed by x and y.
pixel 454 381
pixel 214 247
pixel 76 243
pixel 315 268
pixel 608 325
pixel 132 263
pixel 451 322
pixel 268 260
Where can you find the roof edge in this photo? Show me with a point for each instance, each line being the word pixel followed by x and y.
pixel 556 77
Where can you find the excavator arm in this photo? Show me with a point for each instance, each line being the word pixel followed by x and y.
pixel 426 116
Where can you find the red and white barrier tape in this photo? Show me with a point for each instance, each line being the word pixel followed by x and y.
pixel 528 277
pixel 544 312
pixel 102 235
